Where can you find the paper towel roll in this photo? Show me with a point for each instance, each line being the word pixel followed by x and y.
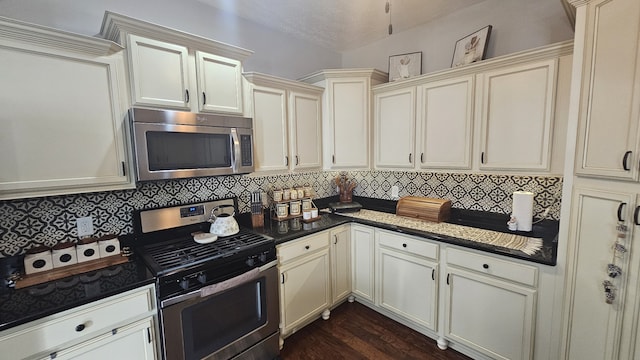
pixel 523 209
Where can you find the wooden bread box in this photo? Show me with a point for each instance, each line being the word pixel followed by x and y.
pixel 424 208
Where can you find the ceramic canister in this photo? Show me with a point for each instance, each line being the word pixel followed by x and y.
pixel 38 259
pixel 64 254
pixel 108 245
pixel 87 249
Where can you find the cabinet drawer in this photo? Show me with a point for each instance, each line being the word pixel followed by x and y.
pixel 508 270
pixel 303 246
pixel 56 331
pixel 408 244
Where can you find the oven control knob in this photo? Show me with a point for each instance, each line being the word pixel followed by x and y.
pixel 184 283
pixel 263 257
pixel 202 278
pixel 251 261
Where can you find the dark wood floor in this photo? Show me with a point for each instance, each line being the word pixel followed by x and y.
pixel 356 332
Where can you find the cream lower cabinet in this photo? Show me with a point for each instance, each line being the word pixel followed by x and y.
pixel 287 123
pixel 129 342
pixel 63 113
pixel 407 277
pixel 363 262
pixel 118 327
pixel 305 281
pixel 596 329
pixel 340 263
pixel 490 304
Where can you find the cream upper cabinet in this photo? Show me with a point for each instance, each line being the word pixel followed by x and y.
pixel 305 122
pixel 219 83
pixel 271 141
pixel 608 142
pixel 159 73
pixel 287 123
pixel 517 107
pixel 346 115
pixel 394 128
pixel 177 70
pixel 445 120
pixel 63 113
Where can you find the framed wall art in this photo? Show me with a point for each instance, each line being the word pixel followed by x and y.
pixel 471 48
pixel 404 66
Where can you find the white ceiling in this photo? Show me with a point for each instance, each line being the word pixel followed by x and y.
pixel 339 24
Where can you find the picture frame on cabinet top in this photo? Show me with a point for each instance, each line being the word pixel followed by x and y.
pixel 404 66
pixel 472 47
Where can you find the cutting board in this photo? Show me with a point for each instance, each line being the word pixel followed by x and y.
pixel 424 208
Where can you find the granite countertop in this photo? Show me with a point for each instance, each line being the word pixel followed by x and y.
pixel 546 230
pixel 34 302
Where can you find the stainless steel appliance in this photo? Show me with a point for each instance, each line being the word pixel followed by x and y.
pixel 176 144
pixel 216 300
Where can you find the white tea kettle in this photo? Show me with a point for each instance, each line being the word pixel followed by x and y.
pixel 223 224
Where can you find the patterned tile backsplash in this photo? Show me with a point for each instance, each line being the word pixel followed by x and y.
pixel 49 220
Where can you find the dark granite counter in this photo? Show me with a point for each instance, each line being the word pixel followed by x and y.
pixel 38 301
pixel 547 230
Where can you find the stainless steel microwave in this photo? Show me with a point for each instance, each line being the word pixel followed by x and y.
pixel 176 144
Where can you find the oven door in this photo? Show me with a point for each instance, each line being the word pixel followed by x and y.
pixel 236 318
pixel 170 151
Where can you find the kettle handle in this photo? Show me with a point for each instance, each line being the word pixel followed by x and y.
pixel 213 216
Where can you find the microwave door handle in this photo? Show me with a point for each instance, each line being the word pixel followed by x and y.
pixel 235 146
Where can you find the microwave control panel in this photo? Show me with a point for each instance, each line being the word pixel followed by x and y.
pixel 245 149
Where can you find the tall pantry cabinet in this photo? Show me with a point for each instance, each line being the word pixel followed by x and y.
pixel 601 306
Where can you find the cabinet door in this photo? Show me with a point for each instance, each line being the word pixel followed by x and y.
pixel 594 327
pixel 348 104
pixel 219 83
pixel 135 341
pixel 610 97
pixel 304 289
pixel 270 129
pixel 62 123
pixel 395 128
pixel 490 316
pixel 446 123
pixel 517 116
pixel 340 264
pixel 305 120
pixel 408 286
pixel 362 262
pixel 159 73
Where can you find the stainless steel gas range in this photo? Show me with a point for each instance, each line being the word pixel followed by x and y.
pixel 217 300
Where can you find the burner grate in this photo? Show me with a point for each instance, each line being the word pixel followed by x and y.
pixel 178 253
